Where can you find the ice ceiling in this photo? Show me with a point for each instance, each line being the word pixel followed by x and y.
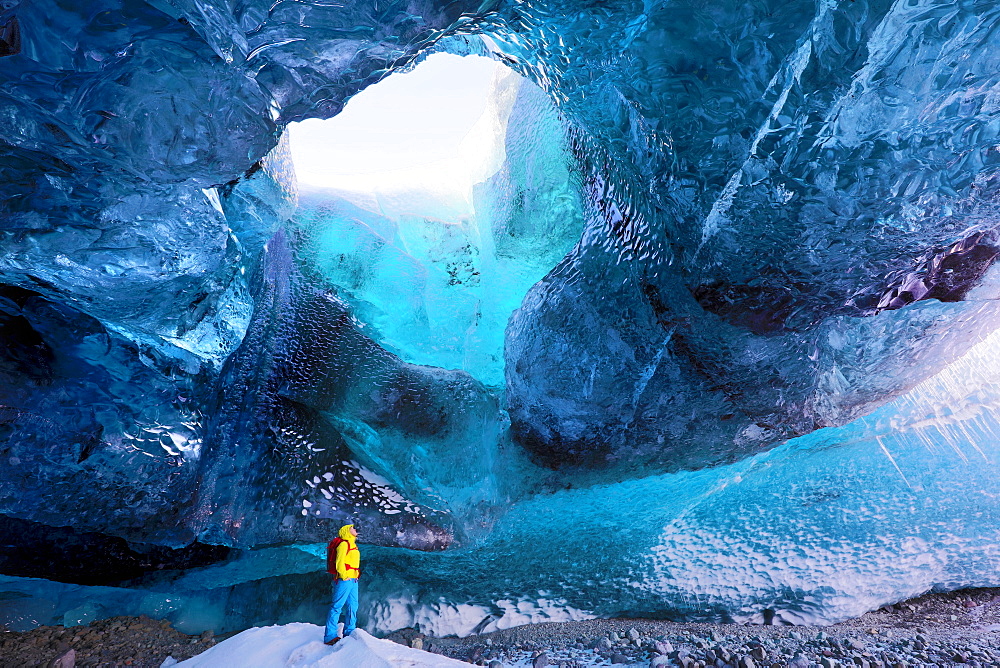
pixel 707 301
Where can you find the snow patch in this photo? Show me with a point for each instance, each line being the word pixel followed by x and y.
pixel 301 645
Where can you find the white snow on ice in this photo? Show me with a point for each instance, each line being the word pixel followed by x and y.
pixel 301 646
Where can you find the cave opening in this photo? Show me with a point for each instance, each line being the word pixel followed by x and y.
pixel 413 144
pixel 433 203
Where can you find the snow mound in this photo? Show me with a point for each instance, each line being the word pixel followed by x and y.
pixel 301 646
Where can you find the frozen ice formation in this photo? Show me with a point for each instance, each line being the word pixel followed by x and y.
pixel 717 300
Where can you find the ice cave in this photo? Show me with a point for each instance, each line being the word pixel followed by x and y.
pixel 709 281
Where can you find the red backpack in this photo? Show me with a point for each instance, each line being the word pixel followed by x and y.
pixel 331 557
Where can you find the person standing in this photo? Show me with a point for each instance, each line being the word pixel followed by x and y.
pixel 343 561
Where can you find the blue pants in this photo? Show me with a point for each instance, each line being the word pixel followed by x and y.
pixel 345 595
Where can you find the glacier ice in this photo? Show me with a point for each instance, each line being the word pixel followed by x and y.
pixel 726 290
pixel 821 529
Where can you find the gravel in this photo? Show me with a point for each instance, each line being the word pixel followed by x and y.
pixel 139 642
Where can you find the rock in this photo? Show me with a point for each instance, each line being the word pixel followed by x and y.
pixel 663 647
pixel 604 644
pixel 540 661
pixel 747 662
pixel 659 661
pixel 856 645
pixel 758 653
pixel 618 657
pixel 67 660
pixel 633 635
pixel 827 662
pixel 495 664
pixel 799 661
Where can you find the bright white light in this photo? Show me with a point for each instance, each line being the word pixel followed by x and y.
pixel 432 131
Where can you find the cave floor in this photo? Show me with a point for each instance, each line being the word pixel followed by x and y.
pixel 954 628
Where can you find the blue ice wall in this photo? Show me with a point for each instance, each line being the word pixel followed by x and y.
pixel 738 225
pixel 818 530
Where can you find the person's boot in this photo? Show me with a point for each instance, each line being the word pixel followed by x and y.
pixel 332 642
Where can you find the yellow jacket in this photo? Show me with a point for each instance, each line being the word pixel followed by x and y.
pixel 348 556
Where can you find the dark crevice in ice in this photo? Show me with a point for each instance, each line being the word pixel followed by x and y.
pixel 34 550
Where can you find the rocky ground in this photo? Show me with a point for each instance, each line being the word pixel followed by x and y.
pixel 958 628
pixel 120 641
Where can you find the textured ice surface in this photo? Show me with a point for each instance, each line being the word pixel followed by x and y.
pixel 821 529
pixel 715 230
pixel 779 178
